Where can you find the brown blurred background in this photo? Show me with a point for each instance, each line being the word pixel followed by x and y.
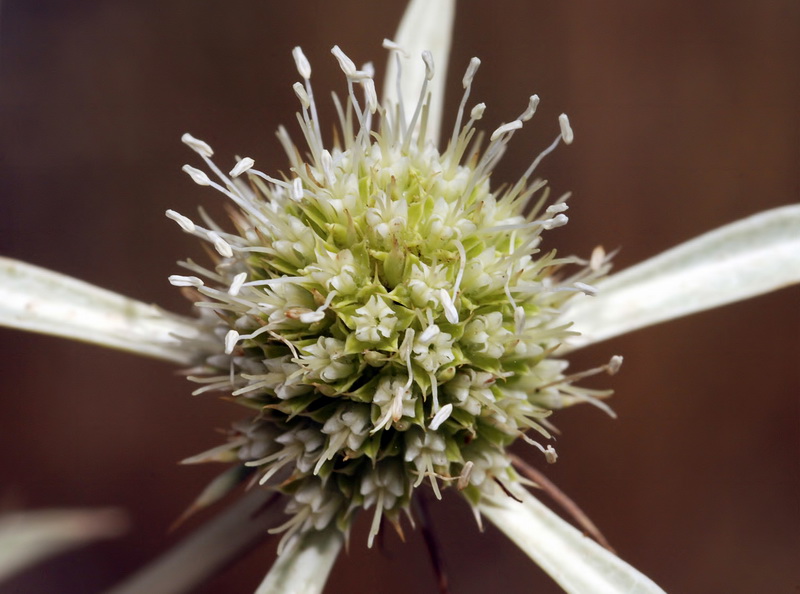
pixel 686 117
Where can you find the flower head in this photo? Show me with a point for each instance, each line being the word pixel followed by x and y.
pixel 394 319
pixel 385 301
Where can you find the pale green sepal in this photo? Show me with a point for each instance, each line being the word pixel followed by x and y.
pixel 29 537
pixel 38 300
pixel 575 561
pixel 752 256
pixel 426 25
pixel 304 566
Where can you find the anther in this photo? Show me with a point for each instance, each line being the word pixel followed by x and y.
pixel 243 165
pixel 300 91
pixel 223 247
pixel 178 280
pixel 509 127
pixel 302 63
pixel 557 221
pixel 477 111
pixel 197 145
pixel 236 284
pixel 231 338
pixel 597 258
pixel 427 57
pixel 450 311
pixel 345 63
pixel 198 177
pixel 441 416
pixel 370 94
pixel 550 454
pixel 533 102
pixel 394 46
pixel 614 364
pixel 185 223
pixel 466 472
pixel 474 63
pixel 566 130
pixel 587 289
pixel 297 189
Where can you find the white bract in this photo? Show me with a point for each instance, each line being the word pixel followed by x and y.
pixel 394 321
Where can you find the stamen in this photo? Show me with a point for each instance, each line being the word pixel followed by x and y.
pixel 300 91
pixel 533 102
pixel 302 63
pixel 587 289
pixel 463 478
pixel 243 165
pixel 198 177
pixel 509 127
pixel 231 338
pixel 598 258
pixel 198 146
pixel 223 247
pixel 237 283
pixel 566 129
pixel 185 223
pixel 441 416
pixel 177 280
pixel 345 63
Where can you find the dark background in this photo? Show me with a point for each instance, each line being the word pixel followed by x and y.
pixel 686 117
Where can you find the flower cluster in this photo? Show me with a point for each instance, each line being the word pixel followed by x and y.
pixel 391 318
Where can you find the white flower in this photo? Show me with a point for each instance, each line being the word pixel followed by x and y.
pixel 303 322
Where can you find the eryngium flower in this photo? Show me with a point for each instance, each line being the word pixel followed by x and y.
pixel 391 318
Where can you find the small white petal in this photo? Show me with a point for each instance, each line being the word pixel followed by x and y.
pixel 38 300
pixel 572 559
pixel 426 25
pixel 200 147
pixel 741 260
pixel 198 177
pixel 304 566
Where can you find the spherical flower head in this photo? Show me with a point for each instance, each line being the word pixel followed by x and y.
pixel 391 318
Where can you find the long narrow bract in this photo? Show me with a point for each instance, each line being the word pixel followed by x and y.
pixel 747 258
pixel 571 558
pixel 39 300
